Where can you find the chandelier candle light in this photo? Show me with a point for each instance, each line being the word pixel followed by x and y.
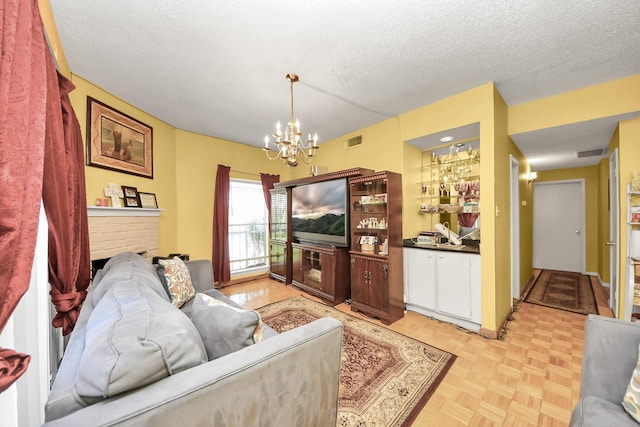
pixel 290 146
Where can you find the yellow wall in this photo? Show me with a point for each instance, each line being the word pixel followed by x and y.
pixel 197 162
pixel 164 182
pixel 603 100
pixel 380 150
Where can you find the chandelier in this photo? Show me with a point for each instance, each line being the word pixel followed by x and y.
pixel 290 146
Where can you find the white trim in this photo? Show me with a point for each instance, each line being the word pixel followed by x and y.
pixel 514 182
pixel 110 211
pixel 28 332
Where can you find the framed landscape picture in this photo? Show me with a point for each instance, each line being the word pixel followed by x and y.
pixel 117 141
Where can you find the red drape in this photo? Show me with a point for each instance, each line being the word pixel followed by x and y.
pixel 40 143
pixel 467 219
pixel 221 263
pixel 23 91
pixel 267 184
pixel 64 197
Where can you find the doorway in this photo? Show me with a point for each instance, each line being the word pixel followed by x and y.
pixel 558 225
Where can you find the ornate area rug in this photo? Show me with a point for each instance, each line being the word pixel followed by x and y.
pixel 563 290
pixel 385 377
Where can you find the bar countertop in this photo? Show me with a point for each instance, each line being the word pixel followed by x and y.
pixel 411 243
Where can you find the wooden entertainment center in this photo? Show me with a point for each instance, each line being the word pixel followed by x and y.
pixel 367 266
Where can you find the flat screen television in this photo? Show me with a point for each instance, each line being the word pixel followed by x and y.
pixel 319 213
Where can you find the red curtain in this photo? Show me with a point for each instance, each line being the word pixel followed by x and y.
pixel 65 203
pixel 23 56
pixel 221 263
pixel 39 137
pixel 267 184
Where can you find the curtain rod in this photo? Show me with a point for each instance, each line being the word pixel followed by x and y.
pixel 246 173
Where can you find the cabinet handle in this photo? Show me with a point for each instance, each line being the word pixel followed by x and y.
pixel 385 270
pixel 353 262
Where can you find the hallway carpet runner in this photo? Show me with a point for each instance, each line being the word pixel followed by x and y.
pixel 385 378
pixel 563 290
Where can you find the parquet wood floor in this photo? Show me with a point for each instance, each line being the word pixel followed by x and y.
pixel 531 377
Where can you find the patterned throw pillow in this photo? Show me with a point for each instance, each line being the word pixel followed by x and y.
pixel 631 402
pixel 224 328
pixel 178 280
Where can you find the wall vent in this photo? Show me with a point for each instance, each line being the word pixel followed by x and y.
pixel 592 153
pixel 353 142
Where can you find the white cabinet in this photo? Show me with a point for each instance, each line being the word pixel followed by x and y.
pixel 454 286
pixel 420 277
pixel 445 285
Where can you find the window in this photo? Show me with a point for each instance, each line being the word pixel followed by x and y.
pixel 248 227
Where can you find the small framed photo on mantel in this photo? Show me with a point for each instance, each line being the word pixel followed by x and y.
pixel 148 200
pixel 131 197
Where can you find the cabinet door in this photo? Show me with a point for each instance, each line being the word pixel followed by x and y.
pixel 327 264
pixel 297 265
pixel 378 284
pixel 420 277
pixel 454 287
pixel 277 259
pixel 359 281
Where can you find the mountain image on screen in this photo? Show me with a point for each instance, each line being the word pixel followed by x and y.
pixel 327 224
pixel 319 208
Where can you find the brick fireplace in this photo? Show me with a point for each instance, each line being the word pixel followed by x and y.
pixel 115 230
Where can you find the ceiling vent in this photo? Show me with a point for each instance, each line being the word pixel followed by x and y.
pixel 592 153
pixel 353 142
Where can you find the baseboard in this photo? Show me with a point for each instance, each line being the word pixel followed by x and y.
pixel 490 333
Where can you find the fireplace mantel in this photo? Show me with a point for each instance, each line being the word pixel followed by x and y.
pixel 118 211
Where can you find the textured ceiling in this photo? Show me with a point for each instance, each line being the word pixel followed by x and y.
pixel 218 68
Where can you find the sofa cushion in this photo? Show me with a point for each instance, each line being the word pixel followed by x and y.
pixel 124 267
pixel 224 328
pixel 631 401
pixel 134 337
pixel 592 411
pixel 176 279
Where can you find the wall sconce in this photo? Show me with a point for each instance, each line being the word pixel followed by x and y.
pixel 531 177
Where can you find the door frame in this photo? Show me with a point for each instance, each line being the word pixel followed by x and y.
pixel 582 212
pixel 515 227
pixel 614 229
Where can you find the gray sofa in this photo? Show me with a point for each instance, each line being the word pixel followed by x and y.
pixel 289 379
pixel 609 358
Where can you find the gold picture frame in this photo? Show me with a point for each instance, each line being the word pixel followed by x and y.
pixel 117 141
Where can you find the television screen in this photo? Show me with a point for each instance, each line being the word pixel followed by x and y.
pixel 319 212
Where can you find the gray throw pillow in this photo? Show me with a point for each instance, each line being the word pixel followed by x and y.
pixel 133 338
pixel 224 328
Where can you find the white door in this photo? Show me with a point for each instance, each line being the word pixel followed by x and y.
pixel 614 230
pixel 558 225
